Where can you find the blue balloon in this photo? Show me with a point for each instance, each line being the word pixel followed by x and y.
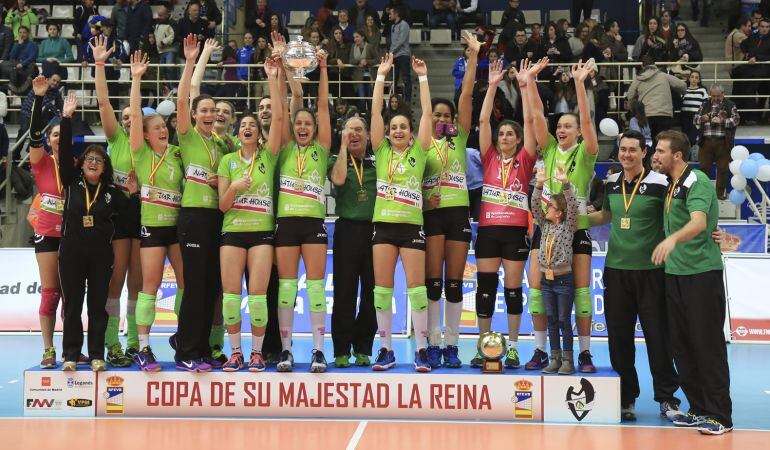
pixel 756 157
pixel 749 168
pixel 147 111
pixel 763 162
pixel 737 197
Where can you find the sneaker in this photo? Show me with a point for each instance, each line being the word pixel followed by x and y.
pixel 567 363
pixel 219 356
pixel 131 352
pixel 670 411
pixel 554 362
pixel 342 361
pixel 69 366
pixel 715 427
pixel 421 360
pixel 434 356
pixel 193 365
pixel 451 357
pixel 172 341
pixel 386 359
pixel 286 364
pixel 49 359
pixel 478 361
pixel 362 360
pixel 538 362
pixel 116 357
pixel 689 420
pixel 512 359
pixel 146 360
pixel 234 364
pixel 97 365
pixel 318 362
pixel 585 362
pixel 628 413
pixel 273 359
pixel 256 362
pixel 213 362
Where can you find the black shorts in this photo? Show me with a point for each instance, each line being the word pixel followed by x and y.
pixel 122 230
pixel 497 241
pixel 402 235
pixel 246 239
pixel 158 237
pixel 295 231
pixel 454 223
pixel 46 244
pixel 581 242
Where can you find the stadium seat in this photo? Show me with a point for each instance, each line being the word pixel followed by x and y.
pixel 495 17
pixel 531 16
pixel 41 32
pixel 67 29
pixel 73 74
pixel 596 14
pixel 557 14
pixel 298 18
pixel 415 36
pixel 106 10
pixel 440 37
pixel 62 12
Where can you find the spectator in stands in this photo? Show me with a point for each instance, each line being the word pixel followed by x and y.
pixel 536 34
pixel 315 39
pixel 578 7
pixel 363 56
pixel 106 28
pixel 119 16
pixel 372 33
pixel 756 48
pixel 82 15
pixel 339 55
pixel 486 35
pixel 756 16
pixel 519 49
pixel 613 41
pixel 402 54
pixel 345 26
pixel 650 41
pixel 458 71
pixel 53 102
pixel 139 23
pixel 210 13
pixel 359 11
pixel 598 91
pixel 277 26
pixel 150 87
pixel 311 25
pixel 325 15
pixel 261 52
pixel 396 106
pixel 610 49
pixel 258 20
pixel 192 23
pixel 467 12
pixel 404 13
pixel 53 51
pixel 475 173
pixel 512 21
pixel 509 87
pixel 3 110
pixel 638 122
pixel 666 25
pixel 165 36
pixel 21 16
pixel 564 95
pixel 692 100
pixel 21 67
pixel 736 37
pixel 716 119
pixel 554 46
pixel 578 41
pixel 244 56
pixel 653 88
pixel 684 48
pixel 171 127
pixel 562 25
pixel 6 42
pixel 493 55
pixel 444 13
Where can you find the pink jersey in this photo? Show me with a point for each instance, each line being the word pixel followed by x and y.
pixel 505 205
pixel 51 200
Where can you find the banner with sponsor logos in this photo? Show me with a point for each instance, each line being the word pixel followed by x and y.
pixel 578 399
pixel 59 394
pixel 747 285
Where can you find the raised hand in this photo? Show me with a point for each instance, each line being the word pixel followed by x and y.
pixel 581 71
pixel 271 68
pixel 538 67
pixel 279 43
pixel 138 64
pixel 561 176
pixel 419 67
pixel 496 72
pixel 191 48
pixel 321 55
pixel 70 104
pixel 472 42
pixel 40 85
pixel 211 45
pixel 541 176
pixel 523 73
pixel 100 51
pixel 344 139
pixel 386 64
pixel 132 184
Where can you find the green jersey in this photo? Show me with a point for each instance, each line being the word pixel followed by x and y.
pixel 162 179
pixel 301 183
pixel 580 168
pixel 228 143
pixel 200 156
pixel 693 192
pixel 354 201
pixel 252 210
pixel 635 234
pixel 122 158
pixel 399 175
pixel 445 170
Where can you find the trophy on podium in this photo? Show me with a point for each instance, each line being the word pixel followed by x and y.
pixel 491 347
pixel 300 57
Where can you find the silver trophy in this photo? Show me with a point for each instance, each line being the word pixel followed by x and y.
pixel 300 57
pixel 491 347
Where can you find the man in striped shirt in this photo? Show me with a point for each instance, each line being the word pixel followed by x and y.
pixel 716 120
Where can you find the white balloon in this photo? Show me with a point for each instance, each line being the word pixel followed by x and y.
pixel 764 174
pixel 738 182
pixel 735 167
pixel 166 108
pixel 739 152
pixel 609 127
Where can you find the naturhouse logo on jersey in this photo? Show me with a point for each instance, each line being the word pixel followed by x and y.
pixel 114 395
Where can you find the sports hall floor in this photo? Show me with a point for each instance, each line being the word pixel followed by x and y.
pixel 750 389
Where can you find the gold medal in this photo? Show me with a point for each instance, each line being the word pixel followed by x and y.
pixel 88 221
pixel 299 186
pixel 625 223
pixel 362 195
pixel 444 177
pixel 153 195
pixel 548 274
pixel 390 194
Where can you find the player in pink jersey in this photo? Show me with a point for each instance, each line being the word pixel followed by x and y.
pixel 504 217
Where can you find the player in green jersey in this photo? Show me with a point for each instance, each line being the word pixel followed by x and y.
pixel 398 214
pixel 225 111
pixel 578 158
pixel 125 244
pixel 161 176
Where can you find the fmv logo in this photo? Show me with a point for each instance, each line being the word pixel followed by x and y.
pixel 39 403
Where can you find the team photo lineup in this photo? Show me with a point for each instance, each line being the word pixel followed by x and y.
pixel 240 195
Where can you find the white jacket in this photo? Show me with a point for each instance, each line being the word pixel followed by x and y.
pixel 164 37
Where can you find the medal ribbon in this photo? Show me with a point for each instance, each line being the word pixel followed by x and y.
pixel 505 171
pixel 444 157
pixel 359 173
pixel 549 246
pixel 627 203
pixel 89 202
pixel 672 188
pixel 253 160
pixel 156 167
pixel 301 162
pixel 391 167
pixel 212 157
pixel 58 178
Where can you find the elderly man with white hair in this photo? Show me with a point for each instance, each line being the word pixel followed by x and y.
pixel 716 120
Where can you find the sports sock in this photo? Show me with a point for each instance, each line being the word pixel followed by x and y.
pixel 256 343
pixel 420 324
pixel 385 326
pixel 453 313
pixel 318 323
pixel 144 341
pixel 540 340
pixel 512 343
pixel 285 325
pixel 434 322
pixel 585 343
pixel 235 341
pixel 111 335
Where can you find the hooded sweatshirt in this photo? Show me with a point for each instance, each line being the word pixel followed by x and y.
pixel 653 88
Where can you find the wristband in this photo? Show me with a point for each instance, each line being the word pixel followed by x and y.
pixel 380 78
pixel 422 78
pixel 522 86
pixel 99 63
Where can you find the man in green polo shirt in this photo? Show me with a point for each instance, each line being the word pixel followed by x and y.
pixel 633 284
pixel 354 177
pixel 695 292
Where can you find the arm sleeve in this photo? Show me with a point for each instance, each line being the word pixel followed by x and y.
pixel 66 168
pixel 35 125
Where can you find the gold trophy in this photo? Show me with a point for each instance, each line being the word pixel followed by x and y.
pixel 491 347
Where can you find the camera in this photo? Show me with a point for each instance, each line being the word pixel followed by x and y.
pixel 446 129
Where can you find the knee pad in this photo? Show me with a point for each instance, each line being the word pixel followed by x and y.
pixel 418 298
pixel 486 293
pixel 258 310
pixel 49 302
pixel 434 286
pixel 583 303
pixel 231 309
pixel 287 293
pixel 535 299
pixel 454 291
pixel 513 301
pixel 112 307
pixel 316 296
pixel 383 298
pixel 145 309
pixel 178 300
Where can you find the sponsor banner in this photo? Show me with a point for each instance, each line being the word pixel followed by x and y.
pixel 328 395
pixel 745 277
pixel 59 394
pixel 578 399
pixel 749 238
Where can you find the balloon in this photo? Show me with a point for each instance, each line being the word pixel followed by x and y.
pixel 739 153
pixel 764 173
pixel 609 127
pixel 738 182
pixel 147 111
pixel 737 197
pixel 757 156
pixel 735 167
pixel 166 108
pixel 763 162
pixel 749 168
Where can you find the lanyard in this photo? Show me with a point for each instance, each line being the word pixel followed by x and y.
pixel 442 156
pixel 301 161
pixel 627 203
pixel 58 178
pixel 253 159
pixel 156 167
pixel 359 172
pixel 505 171
pixel 212 157
pixel 672 188
pixel 89 202
pixel 391 167
pixel 549 245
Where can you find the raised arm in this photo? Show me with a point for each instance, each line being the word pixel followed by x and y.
pixel 339 171
pixel 200 67
pixel 67 169
pixel 191 50
pixel 324 135
pixel 485 117
pixel 273 70
pixel 377 124
pixel 465 103
pixel 279 44
pixel 101 54
pixel 36 151
pixel 537 209
pixel 536 103
pixel 425 132
pixel 530 141
pixel 138 68
pixel 581 71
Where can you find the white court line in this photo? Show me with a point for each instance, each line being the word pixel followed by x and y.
pixel 357 435
pixel 13 381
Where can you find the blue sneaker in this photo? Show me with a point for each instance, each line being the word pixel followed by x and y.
pixel 689 420
pixel 451 358
pixel 234 364
pixel 421 361
pixel 434 356
pixel 386 359
pixel 713 427
pixel 193 365
pixel 670 411
pixel 539 360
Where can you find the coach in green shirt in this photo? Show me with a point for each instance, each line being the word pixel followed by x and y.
pixel 695 292
pixel 354 176
pixel 633 284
